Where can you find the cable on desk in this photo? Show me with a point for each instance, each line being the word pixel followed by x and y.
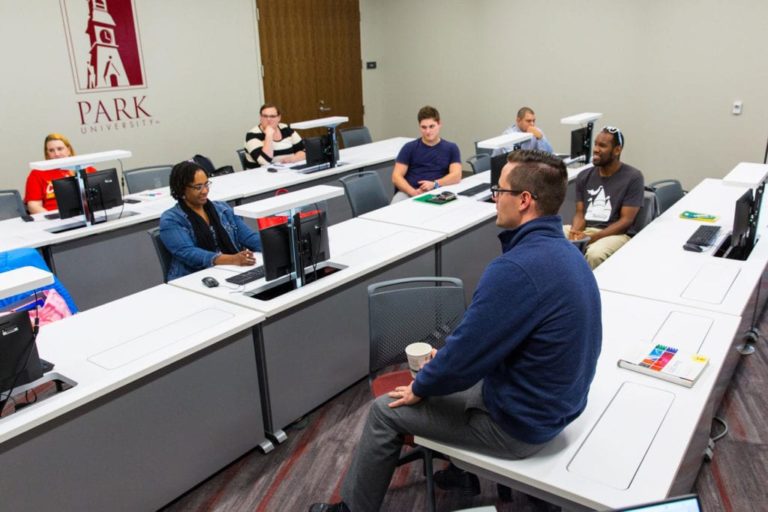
pixel 722 434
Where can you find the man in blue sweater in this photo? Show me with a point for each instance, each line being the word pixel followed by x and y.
pixel 517 369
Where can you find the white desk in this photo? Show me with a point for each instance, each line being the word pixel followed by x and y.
pixel 24 279
pixel 654 265
pixel 166 394
pixel 640 439
pixel 92 261
pixel 314 341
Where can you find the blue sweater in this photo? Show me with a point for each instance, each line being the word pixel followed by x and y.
pixel 533 331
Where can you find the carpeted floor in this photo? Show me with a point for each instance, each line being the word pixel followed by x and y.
pixel 310 465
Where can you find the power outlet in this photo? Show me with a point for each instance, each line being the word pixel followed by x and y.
pixel 736 108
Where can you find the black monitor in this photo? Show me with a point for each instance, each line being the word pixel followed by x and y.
pixel 319 150
pixel 19 361
pixel 581 143
pixel 311 238
pixel 742 236
pixel 103 190
pixel 67 193
pixel 497 164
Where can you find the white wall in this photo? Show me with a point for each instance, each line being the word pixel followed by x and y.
pixel 666 72
pixel 204 88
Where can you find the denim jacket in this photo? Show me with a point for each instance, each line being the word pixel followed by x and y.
pixel 179 238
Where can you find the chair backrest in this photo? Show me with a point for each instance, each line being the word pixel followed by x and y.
pixel 241 155
pixel 162 253
pixel 668 192
pixel 582 243
pixel 648 212
pixel 480 162
pixel 147 178
pixel 11 205
pixel 364 192
pixel 404 311
pixel 356 136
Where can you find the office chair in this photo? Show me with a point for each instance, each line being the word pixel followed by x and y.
pixel 147 178
pixel 648 212
pixel 162 253
pixel 668 192
pixel 364 192
pixel 401 312
pixel 11 205
pixel 581 243
pixel 480 162
pixel 356 136
pixel 243 161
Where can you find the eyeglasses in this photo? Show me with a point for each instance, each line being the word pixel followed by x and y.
pixel 270 116
pixel 496 190
pixel 617 132
pixel 201 186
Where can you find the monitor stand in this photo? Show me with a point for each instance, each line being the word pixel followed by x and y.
pixel 283 286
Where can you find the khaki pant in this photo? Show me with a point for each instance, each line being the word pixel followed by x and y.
pixel 599 251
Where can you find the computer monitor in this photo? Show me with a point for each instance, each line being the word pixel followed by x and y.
pixel 19 361
pixel 581 143
pixel 311 239
pixel 687 503
pixel 103 190
pixel 319 150
pixel 67 193
pixel 497 164
pixel 740 236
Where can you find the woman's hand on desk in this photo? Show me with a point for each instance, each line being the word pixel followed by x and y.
pixel 243 258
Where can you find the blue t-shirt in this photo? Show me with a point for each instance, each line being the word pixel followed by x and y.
pixel 427 162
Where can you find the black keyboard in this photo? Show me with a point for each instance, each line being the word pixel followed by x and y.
pixel 704 236
pixel 247 276
pixel 475 190
pixel 310 168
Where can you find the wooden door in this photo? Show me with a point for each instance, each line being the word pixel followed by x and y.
pixel 310 50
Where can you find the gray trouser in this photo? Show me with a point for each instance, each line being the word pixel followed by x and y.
pixel 459 419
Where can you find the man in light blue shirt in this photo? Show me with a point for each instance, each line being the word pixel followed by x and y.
pixel 526 123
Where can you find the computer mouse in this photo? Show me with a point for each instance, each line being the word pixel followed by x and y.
pixel 693 247
pixel 271 169
pixel 210 282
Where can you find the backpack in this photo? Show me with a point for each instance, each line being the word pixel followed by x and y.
pixel 205 163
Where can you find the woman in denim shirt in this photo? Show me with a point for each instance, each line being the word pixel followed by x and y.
pixel 200 233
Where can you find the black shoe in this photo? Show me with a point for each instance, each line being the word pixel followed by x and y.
pixel 455 479
pixel 329 507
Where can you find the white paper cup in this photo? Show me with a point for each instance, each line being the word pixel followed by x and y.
pixel 418 354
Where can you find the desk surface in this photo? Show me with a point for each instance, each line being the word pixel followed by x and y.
pixel 361 246
pixel 654 265
pixel 24 279
pixel 106 348
pixel 631 464
pixel 230 187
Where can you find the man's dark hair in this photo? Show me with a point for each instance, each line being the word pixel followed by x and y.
pixel 541 174
pixel 428 113
pixel 269 105
pixel 183 174
pixel 525 110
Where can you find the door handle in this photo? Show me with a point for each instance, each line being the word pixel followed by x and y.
pixel 322 107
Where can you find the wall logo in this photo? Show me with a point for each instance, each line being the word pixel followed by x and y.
pixel 105 56
pixel 104 44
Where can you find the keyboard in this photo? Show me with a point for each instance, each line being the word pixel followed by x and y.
pixel 704 236
pixel 310 168
pixel 247 276
pixel 475 190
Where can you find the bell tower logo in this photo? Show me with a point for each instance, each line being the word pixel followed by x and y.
pixel 104 45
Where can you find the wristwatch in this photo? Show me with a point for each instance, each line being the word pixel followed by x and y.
pixel 437 185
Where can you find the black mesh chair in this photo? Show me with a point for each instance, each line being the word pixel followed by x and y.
pixel 401 312
pixel 162 253
pixel 668 192
pixel 147 178
pixel 356 136
pixel 364 192
pixel 11 205
pixel 241 155
pixel 648 212
pixel 480 163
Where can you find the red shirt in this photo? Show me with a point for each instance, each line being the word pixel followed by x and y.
pixel 40 188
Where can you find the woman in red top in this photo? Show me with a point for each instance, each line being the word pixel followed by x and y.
pixel 39 196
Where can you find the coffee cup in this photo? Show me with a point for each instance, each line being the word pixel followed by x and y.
pixel 418 354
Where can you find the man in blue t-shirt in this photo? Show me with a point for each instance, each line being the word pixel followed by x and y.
pixel 426 163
